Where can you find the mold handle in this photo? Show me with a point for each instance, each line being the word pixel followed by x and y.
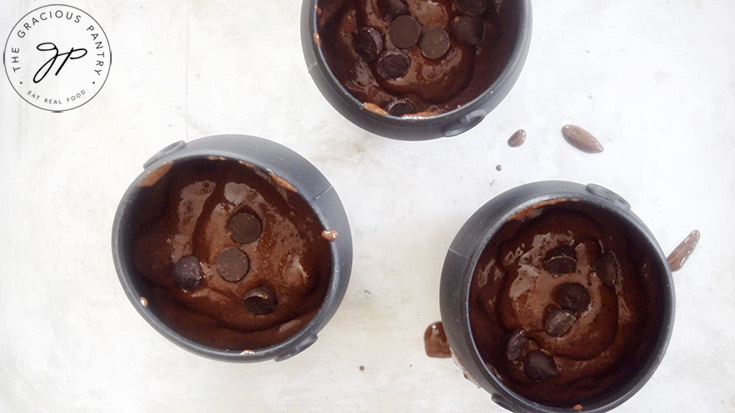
pixel 464 124
pixel 298 348
pixel 507 405
pixel 172 148
pixel 608 195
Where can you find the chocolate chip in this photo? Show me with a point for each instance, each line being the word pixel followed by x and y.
pixel 404 32
pixel 368 44
pixel 472 7
pixel 399 107
pixel 468 30
pixel 260 301
pixel 681 253
pixel 558 321
pixel 393 8
pixel 607 268
pixel 516 344
pixel 561 260
pixel 572 296
pixel 517 138
pixel 233 264
pixel 187 273
pixel 434 43
pixel 393 64
pixel 540 366
pixel 435 341
pixel 581 139
pixel 244 228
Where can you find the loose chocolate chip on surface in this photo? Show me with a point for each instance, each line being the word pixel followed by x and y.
pixel 561 260
pixel 393 64
pixel 681 253
pixel 472 7
pixel 260 301
pixel 435 341
pixel 434 43
pixel 393 8
pixel 244 228
pixel 581 139
pixel 540 366
pixel 404 32
pixel 399 107
pixel 572 296
pixel 187 273
pixel 368 44
pixel 558 321
pixel 607 268
pixel 233 264
pixel 468 30
pixel 516 344
pixel 517 138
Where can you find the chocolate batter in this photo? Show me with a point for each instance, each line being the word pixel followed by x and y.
pixel 227 257
pixel 417 57
pixel 563 303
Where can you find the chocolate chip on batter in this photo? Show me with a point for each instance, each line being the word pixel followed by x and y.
pixel 607 268
pixel 244 228
pixel 404 31
pixel 368 44
pixel 516 344
pixel 561 260
pixel 187 273
pixel 434 43
pixel 233 264
pixel 393 64
pixel 393 8
pixel 558 321
pixel 468 30
pixel 399 107
pixel 540 366
pixel 572 296
pixel 472 7
pixel 260 301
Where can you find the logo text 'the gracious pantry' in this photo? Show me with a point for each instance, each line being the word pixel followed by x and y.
pixel 57 57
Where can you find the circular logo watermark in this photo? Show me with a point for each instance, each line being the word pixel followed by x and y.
pixel 57 57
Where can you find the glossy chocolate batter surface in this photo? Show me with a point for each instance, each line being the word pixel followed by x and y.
pixel 563 303
pixel 417 57
pixel 227 256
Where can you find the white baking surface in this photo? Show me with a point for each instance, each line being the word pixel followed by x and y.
pixel 653 80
